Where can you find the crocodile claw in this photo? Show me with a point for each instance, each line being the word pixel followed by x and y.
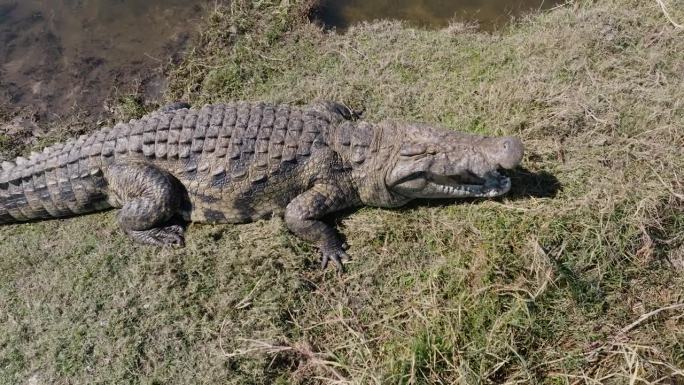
pixel 160 236
pixel 337 257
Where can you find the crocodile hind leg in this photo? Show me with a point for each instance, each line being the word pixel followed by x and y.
pixel 303 215
pixel 149 199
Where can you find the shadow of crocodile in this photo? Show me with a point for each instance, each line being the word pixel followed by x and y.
pixel 528 184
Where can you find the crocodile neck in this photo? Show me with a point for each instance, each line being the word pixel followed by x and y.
pixel 368 150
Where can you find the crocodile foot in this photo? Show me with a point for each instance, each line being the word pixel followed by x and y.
pixel 172 235
pixel 337 255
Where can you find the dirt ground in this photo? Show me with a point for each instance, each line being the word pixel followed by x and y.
pixel 64 58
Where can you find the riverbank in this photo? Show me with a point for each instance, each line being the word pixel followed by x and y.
pixel 573 278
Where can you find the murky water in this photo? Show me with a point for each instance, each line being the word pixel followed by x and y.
pixel 428 13
pixel 58 54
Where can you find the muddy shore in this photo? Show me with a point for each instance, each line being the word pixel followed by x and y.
pixel 64 57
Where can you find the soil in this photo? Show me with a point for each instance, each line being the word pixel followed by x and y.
pixel 63 57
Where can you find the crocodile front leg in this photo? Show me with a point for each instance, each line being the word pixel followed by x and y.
pixel 303 215
pixel 149 198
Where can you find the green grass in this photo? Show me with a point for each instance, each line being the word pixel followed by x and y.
pixel 532 288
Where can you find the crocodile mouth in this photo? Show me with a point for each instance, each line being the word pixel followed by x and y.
pixel 467 184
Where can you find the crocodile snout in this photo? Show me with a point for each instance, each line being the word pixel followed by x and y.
pixel 510 153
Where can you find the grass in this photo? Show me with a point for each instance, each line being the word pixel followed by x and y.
pixel 539 287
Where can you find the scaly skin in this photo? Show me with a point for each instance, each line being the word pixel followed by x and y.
pixel 241 162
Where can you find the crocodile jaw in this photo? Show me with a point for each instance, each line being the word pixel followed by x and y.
pixel 493 185
pixel 465 185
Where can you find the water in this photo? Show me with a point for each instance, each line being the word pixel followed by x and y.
pixel 428 13
pixel 56 55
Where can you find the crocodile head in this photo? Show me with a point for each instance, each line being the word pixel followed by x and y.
pixel 435 163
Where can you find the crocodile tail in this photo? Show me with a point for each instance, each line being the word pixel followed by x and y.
pixel 58 182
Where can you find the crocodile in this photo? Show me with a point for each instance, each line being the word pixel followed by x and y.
pixel 243 161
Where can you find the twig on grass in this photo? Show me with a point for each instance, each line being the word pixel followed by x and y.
pixel 597 354
pixel 667 15
pixel 648 315
pixel 667 186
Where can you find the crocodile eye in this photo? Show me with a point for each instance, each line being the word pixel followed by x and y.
pixel 412 149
